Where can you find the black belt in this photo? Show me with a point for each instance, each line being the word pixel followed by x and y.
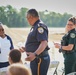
pixel 68 52
pixel 43 53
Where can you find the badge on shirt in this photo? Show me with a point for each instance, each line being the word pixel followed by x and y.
pixel 40 30
pixel 72 35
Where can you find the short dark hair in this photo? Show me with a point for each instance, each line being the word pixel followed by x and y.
pixel 73 20
pixel 33 12
pixel 15 55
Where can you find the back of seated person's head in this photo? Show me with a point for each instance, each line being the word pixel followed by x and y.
pixel 18 69
pixel 14 56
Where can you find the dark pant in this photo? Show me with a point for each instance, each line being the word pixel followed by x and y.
pixel 44 65
pixel 4 64
pixel 69 61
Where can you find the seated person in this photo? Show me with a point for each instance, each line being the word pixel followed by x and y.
pixel 18 69
pixel 14 56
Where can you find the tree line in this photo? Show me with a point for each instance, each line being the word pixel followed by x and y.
pixel 13 18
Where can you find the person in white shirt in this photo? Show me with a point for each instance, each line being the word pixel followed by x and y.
pixel 6 45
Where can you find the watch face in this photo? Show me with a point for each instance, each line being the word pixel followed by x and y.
pixel 35 54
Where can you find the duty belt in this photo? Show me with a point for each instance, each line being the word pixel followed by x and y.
pixel 43 53
pixel 72 51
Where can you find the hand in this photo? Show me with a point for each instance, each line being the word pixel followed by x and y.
pixel 31 56
pixel 57 45
pixel 22 49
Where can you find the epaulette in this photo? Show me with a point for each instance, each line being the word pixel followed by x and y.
pixel 38 25
pixel 42 25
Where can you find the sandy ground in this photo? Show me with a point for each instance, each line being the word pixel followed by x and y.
pixel 20 34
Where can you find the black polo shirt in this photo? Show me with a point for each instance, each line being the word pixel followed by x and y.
pixel 38 33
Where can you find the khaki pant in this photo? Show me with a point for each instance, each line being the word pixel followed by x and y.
pixel 3 73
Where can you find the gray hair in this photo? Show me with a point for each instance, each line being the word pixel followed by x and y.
pixel 33 13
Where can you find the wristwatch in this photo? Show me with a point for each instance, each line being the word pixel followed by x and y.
pixel 60 49
pixel 35 54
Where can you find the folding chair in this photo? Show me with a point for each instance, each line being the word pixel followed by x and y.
pixel 63 71
pixel 73 73
pixel 54 66
pixel 3 71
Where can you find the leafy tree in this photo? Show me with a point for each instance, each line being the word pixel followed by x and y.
pixel 13 18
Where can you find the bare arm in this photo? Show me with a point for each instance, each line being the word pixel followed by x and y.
pixel 68 48
pixel 41 47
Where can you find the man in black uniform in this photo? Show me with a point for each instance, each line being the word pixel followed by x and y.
pixel 37 44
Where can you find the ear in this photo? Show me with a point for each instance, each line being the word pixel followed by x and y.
pixel 10 61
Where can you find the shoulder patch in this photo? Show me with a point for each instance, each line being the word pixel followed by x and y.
pixel 72 35
pixel 40 30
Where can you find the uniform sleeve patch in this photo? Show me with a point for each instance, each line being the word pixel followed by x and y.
pixel 40 30
pixel 72 35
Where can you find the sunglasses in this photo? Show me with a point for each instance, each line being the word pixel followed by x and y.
pixel 70 24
